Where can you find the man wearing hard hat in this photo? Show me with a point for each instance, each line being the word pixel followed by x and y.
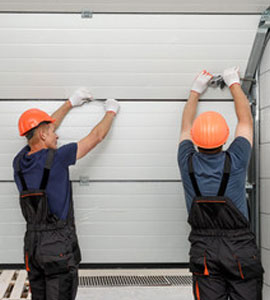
pixel 51 249
pixel 224 258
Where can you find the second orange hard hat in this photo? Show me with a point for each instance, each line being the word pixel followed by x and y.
pixel 210 130
pixel 31 118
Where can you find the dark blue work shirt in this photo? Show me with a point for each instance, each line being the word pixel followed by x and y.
pixel 58 188
pixel 208 169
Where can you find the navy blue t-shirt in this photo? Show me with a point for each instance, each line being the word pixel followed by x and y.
pixel 208 169
pixel 58 188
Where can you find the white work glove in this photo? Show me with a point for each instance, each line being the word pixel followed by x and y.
pixel 231 76
pixel 200 83
pixel 112 105
pixel 80 96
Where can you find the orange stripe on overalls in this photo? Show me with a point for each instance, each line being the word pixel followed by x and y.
pixel 26 262
pixel 197 291
pixel 206 272
pixel 240 270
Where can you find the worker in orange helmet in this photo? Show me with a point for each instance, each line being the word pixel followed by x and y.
pixel 51 249
pixel 224 259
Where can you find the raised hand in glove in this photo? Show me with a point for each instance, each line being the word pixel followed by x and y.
pixel 80 96
pixel 200 83
pixel 231 76
pixel 112 105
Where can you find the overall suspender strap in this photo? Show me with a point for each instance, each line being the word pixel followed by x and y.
pixel 47 168
pixel 226 175
pixel 46 172
pixel 70 216
pixel 19 171
pixel 192 176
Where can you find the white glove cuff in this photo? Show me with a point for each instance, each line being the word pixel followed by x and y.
pixel 111 105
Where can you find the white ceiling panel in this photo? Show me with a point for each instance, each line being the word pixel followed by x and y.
pixel 171 6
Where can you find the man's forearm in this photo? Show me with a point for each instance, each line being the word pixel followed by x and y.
pixel 96 135
pixel 190 110
pixel 242 107
pixel 61 112
pixel 103 127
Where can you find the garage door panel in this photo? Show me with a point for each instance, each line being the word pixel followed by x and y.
pixel 111 53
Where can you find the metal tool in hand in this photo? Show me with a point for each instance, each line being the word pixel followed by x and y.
pixel 218 81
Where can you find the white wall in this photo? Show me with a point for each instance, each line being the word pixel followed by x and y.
pixel 265 165
pixel 130 57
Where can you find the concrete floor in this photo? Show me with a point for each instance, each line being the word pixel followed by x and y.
pixel 135 293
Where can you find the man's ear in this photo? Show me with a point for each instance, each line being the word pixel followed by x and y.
pixel 42 133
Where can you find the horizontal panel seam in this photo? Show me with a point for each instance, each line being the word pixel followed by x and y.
pixel 121 100
pixel 115 180
pixel 132 13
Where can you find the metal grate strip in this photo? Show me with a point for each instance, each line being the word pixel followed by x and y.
pixel 180 280
pixel 101 281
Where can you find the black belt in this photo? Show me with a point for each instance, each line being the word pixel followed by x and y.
pixel 221 232
pixel 46 227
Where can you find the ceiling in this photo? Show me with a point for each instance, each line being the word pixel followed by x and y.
pixel 139 6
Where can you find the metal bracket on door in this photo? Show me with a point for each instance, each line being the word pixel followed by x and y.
pixel 84 181
pixel 86 14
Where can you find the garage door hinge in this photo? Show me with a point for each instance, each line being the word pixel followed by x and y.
pixel 86 14
pixel 84 181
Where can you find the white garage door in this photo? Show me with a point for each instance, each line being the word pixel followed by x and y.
pixel 133 208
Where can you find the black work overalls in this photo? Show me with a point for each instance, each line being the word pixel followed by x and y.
pixel 224 258
pixel 51 248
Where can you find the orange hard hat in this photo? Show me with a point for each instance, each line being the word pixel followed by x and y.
pixel 209 130
pixel 31 118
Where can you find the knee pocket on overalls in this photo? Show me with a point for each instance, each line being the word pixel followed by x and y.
pixel 249 264
pixel 53 243
pixel 53 252
pixel 198 262
pixel 55 264
pixel 196 265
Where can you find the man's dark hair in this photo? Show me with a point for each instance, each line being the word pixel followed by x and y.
pixel 31 132
pixel 212 150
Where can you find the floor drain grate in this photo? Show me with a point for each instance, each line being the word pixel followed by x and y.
pixel 180 280
pixel 100 281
